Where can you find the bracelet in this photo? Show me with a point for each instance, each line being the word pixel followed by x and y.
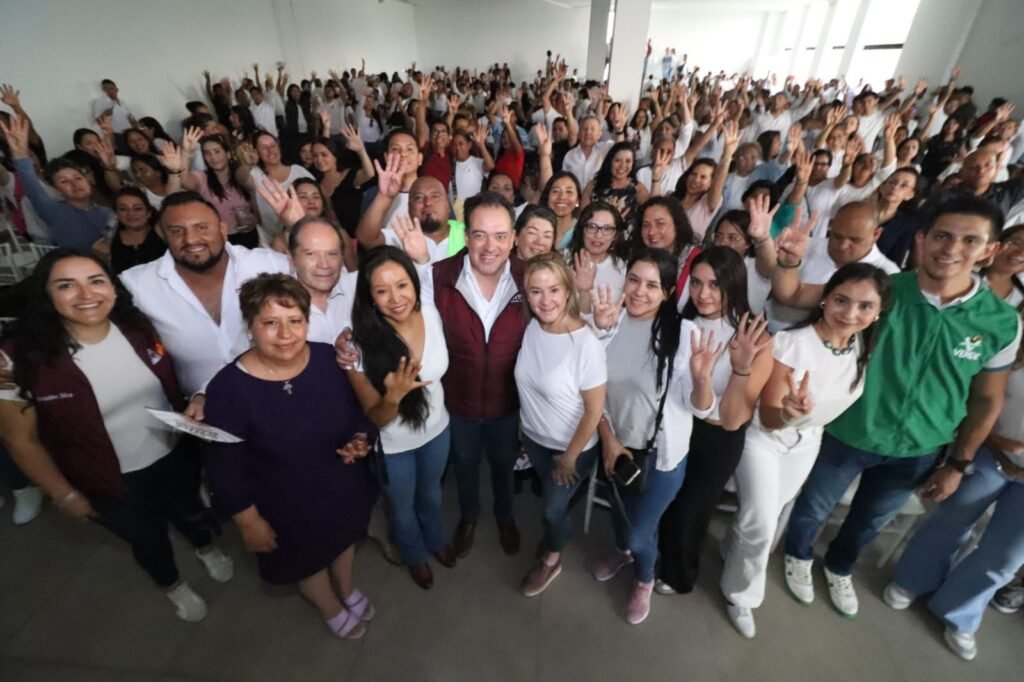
pixel 790 267
pixel 68 499
pixel 175 172
pixel 761 243
pixel 741 374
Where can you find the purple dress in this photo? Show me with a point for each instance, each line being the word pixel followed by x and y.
pixel 287 465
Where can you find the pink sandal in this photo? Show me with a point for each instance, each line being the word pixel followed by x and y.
pixel 347 625
pixel 360 606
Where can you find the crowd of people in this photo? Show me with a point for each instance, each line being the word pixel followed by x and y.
pixel 799 288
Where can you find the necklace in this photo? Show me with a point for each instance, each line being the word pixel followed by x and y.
pixel 838 351
pixel 287 387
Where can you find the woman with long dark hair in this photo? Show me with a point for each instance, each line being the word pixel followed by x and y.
pixel 242 124
pixel 155 180
pixel 818 373
pixel 562 195
pixel 662 224
pixel 398 383
pixel 700 188
pixel 650 354
pixel 340 180
pixel 748 233
pixel 717 305
pixel 299 123
pixel 261 163
pixel 135 240
pixel 86 364
pixel 597 253
pixel 154 131
pixel 615 182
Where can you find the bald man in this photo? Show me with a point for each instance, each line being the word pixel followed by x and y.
pixel 797 285
pixel 428 203
pixel 978 174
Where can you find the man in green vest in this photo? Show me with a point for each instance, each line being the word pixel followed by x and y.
pixel 935 380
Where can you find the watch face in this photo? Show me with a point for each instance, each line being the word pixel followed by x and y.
pixel 968 468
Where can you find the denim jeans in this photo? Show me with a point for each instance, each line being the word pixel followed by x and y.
pixel 498 438
pixel 10 473
pixel 636 526
pixel 557 497
pixel 886 484
pixel 962 592
pixel 414 487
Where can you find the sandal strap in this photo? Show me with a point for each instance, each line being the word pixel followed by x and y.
pixel 344 623
pixel 359 604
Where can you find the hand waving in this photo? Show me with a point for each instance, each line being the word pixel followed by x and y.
pixel 411 236
pixel 748 342
pixel 389 176
pixel 285 204
pixel 584 272
pixel 402 381
pixel 794 240
pixel 607 310
pixel 16 133
pixel 352 140
pixel 171 158
pixel 704 353
pixel 761 214
pixel 10 96
pixel 797 403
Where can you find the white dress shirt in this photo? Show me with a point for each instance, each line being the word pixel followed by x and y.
pixel 585 168
pixel 263 116
pixel 200 347
pixel 324 326
pixel 467 285
pixel 120 115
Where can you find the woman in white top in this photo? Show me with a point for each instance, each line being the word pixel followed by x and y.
pixel 561 375
pixel 700 188
pixel 818 374
pixel 651 358
pixel 748 233
pixel 264 163
pixel 718 305
pixel 398 383
pixel 961 590
pixel 86 364
pixel 596 253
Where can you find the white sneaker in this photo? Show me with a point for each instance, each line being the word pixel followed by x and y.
pixel 662 587
pixel 897 597
pixel 799 580
pixel 840 589
pixel 742 619
pixel 962 644
pixel 28 502
pixel 188 605
pixel 219 565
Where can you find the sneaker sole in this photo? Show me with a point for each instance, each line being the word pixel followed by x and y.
pixel 543 587
pixel 796 598
pixel 606 578
pixel 844 614
pixel 1008 610
pixel 967 656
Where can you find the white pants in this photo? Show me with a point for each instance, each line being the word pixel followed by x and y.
pixel 772 470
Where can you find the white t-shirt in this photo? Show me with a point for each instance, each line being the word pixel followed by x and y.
pixel 324 327
pixel 369 129
pixel 120 115
pixel 758 287
pixel 546 118
pixel 610 273
pixel 869 128
pixel 551 372
pixel 668 182
pixel 264 117
pixel 268 219
pixel 124 387
pixel 722 372
pixel 583 167
pixel 399 437
pixel 469 177
pixel 1010 423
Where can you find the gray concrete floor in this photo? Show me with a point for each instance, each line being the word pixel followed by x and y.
pixel 74 607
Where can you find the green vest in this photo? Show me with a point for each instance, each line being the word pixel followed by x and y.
pixel 919 375
pixel 456 237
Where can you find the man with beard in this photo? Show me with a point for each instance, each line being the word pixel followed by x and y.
pixel 191 293
pixel 428 204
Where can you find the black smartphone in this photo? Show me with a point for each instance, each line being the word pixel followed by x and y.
pixel 625 469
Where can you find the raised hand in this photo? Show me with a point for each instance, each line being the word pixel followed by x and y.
pixel 105 122
pixel 16 132
pixel 247 154
pixel 190 141
pixel 568 101
pixel 747 342
pixel 171 158
pixel 543 140
pixel 921 87
pixel 389 177
pixel 803 162
pixel 761 214
pixel 731 136
pixel 607 309
pixel 453 103
pixel 704 353
pixel 1003 112
pixel 584 271
pixel 480 136
pixel 325 122
pixel 352 140
pixel 10 96
pixel 285 204
pixel 794 240
pixel 402 381
pixel 854 146
pixel 105 151
pixel 955 73
pixel 892 124
pixel 411 237
pixel 794 137
pixel 662 160
pixel 797 403
pixel 618 116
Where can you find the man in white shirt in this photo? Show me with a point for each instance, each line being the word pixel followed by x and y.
pixel 262 109
pixel 780 116
pixel 851 239
pixel 191 293
pixel 872 118
pixel 315 251
pixel 121 118
pixel 585 159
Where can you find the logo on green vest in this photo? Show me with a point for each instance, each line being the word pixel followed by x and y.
pixel 967 349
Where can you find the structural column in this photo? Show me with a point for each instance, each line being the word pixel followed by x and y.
pixel 629 47
pixel 597 48
pixel 855 41
pixel 823 43
pixel 795 52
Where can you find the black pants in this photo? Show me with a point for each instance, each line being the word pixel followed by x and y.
pixel 250 239
pixel 714 455
pixel 166 492
pixel 10 473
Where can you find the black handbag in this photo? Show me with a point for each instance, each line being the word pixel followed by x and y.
pixel 647 458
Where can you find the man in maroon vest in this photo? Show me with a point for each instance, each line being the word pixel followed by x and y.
pixel 477 293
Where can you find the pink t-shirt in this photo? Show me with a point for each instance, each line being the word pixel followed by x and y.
pixel 700 216
pixel 231 207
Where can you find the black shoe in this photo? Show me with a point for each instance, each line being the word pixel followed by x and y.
pixel 463 540
pixel 446 555
pixel 422 575
pixel 508 536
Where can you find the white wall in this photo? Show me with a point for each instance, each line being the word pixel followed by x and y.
pixel 717 38
pixel 994 52
pixel 476 35
pixel 937 34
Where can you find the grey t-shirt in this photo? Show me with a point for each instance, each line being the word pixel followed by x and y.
pixel 632 396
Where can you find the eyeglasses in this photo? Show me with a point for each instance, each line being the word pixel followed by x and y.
pixel 729 238
pixel 607 230
pixel 1015 242
pixel 438 133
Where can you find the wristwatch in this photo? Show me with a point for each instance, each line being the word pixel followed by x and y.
pixel 964 466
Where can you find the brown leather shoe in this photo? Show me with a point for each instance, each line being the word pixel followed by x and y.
pixel 463 540
pixel 508 536
pixel 446 555
pixel 422 575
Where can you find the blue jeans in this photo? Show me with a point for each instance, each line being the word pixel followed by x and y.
pixel 414 486
pixel 886 484
pixel 636 530
pixel 471 438
pixel 962 592
pixel 557 497
pixel 10 473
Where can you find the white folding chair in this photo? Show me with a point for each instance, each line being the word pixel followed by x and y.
pixel 593 497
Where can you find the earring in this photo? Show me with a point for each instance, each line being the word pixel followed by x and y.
pixel 822 305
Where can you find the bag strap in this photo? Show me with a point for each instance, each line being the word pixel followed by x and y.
pixel 661 405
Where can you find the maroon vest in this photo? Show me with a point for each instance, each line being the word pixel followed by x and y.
pixel 480 381
pixel 71 427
